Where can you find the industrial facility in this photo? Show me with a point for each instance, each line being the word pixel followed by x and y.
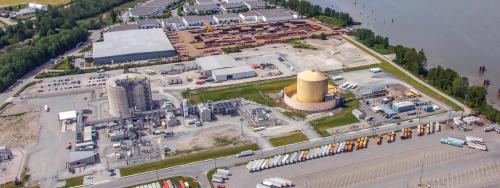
pixel 311 93
pixel 128 93
pixel 132 45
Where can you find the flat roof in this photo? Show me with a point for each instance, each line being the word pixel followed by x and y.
pixel 198 18
pixel 232 5
pixel 147 21
pixel 227 15
pixel 75 156
pixel 176 20
pixel 255 3
pixel 214 62
pixel 232 70
pixel 124 27
pixel 203 7
pixel 67 115
pixel 273 13
pixel 132 42
pixel 250 13
pixel 144 10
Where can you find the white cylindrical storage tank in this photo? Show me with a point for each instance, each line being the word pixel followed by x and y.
pixel 312 86
pixel 128 92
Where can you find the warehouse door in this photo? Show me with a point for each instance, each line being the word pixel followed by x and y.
pixel 229 77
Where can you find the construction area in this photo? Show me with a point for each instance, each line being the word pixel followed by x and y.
pixel 211 40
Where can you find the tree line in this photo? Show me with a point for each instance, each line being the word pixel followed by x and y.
pixel 368 38
pixel 16 63
pixel 307 9
pixel 56 17
pixel 54 31
pixel 447 80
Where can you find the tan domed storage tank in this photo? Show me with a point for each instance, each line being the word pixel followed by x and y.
pixel 312 86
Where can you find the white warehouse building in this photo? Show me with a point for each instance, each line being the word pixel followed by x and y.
pixel 224 67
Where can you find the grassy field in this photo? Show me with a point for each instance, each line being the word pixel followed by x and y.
pixel 295 114
pixel 6 3
pixel 193 183
pixel 300 44
pixel 330 20
pixel 388 67
pixel 255 91
pixel 73 182
pixel 289 139
pixel 344 118
pixel 185 159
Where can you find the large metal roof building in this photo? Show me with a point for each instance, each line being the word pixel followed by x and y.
pixel 132 45
pixel 224 67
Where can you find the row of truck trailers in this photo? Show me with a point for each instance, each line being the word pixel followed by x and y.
pixel 471 141
pixel 166 184
pixel 334 148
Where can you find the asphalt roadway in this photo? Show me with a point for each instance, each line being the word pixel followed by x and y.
pixel 198 169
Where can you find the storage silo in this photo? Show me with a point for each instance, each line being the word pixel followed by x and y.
pixel 128 93
pixel 312 86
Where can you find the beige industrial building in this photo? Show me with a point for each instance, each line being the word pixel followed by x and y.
pixel 128 93
pixel 311 93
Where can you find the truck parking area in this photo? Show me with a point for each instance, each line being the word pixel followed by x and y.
pixel 399 164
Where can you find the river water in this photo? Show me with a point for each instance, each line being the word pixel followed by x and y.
pixel 460 34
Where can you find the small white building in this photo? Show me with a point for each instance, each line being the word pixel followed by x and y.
pixel 227 18
pixel 237 1
pixel 148 24
pixel 233 73
pixel 68 115
pixel 254 5
pixel 233 7
pixel 250 16
pixel 173 23
pixel 205 2
pixel 276 15
pixel 204 112
pixel 198 20
pixel 202 9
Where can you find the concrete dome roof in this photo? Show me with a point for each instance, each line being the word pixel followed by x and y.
pixel 311 75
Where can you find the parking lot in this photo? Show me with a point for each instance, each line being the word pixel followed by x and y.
pixel 398 164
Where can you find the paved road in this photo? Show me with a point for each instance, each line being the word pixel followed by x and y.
pixel 197 169
pixel 467 110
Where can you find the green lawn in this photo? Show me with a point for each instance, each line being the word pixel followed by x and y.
pixel 73 182
pixel 406 78
pixel 289 139
pixel 63 65
pixel 381 50
pixel 344 118
pixel 255 91
pixel 193 183
pixel 295 114
pixel 300 44
pixel 185 159
pixel 5 3
pixel 331 20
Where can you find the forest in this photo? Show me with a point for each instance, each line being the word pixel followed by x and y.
pixel 307 9
pixel 51 33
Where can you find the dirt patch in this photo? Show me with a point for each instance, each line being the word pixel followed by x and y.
pixel 19 126
pixel 211 138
